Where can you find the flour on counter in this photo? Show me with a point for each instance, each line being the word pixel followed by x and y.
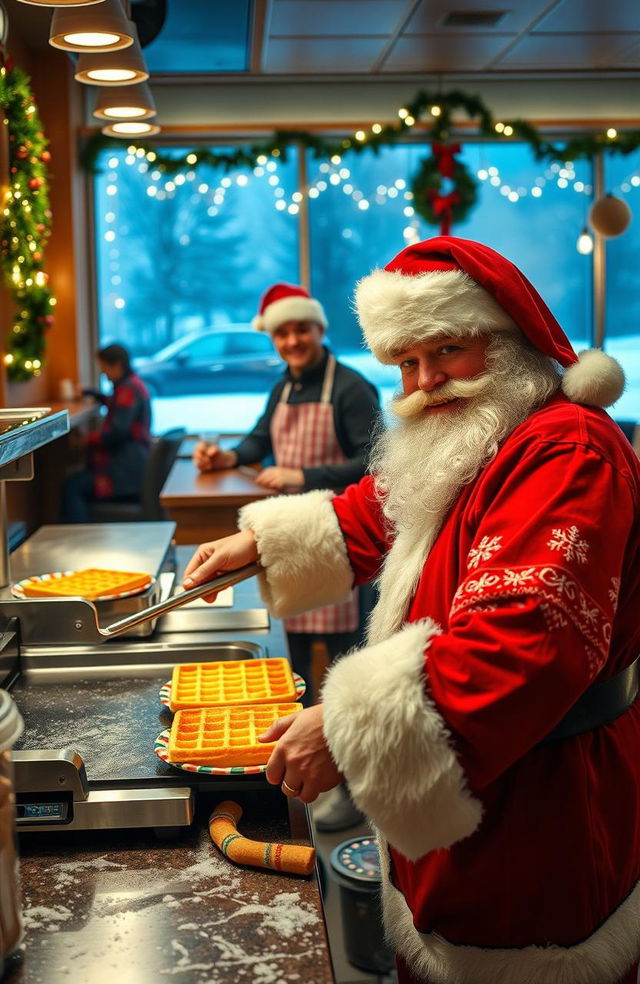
pixel 220 947
pixel 45 917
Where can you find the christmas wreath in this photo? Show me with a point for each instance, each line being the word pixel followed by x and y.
pixel 25 225
pixel 444 190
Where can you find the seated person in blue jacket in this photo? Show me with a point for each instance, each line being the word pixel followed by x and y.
pixel 116 452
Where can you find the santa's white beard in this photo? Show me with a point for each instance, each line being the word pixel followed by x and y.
pixel 423 461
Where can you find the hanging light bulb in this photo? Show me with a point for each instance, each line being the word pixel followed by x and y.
pixel 125 102
pixel 584 244
pixel 96 27
pixel 123 67
pixel 60 3
pixel 131 128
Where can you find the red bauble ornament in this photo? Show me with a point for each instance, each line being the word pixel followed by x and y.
pixel 34 183
pixel 45 156
pixel 22 153
pixel 37 256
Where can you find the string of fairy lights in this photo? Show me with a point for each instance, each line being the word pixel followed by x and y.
pixel 333 174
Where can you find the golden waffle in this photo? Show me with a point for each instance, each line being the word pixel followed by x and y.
pixel 224 736
pixel 231 682
pixel 89 583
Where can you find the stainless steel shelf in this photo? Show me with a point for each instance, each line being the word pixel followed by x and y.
pixel 24 429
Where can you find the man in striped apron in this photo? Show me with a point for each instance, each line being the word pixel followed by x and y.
pixel 317 426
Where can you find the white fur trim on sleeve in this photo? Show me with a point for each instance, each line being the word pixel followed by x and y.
pixel 386 735
pixel 301 547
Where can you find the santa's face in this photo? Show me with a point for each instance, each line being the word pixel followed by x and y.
pixel 299 343
pixel 432 367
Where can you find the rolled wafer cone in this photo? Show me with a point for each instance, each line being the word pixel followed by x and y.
pixel 292 858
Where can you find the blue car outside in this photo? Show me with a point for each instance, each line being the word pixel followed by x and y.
pixel 234 359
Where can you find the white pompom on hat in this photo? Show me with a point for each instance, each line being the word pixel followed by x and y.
pixel 451 286
pixel 287 302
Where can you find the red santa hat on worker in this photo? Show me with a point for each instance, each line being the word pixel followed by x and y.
pixel 286 302
pixel 458 287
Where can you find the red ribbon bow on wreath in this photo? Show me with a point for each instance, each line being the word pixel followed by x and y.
pixel 443 206
pixel 444 154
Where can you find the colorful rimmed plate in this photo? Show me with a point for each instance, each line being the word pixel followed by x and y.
pixel 17 589
pixel 160 748
pixel 165 691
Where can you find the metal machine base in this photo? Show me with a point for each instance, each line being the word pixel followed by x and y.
pixel 52 793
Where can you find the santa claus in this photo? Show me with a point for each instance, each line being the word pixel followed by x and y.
pixel 489 728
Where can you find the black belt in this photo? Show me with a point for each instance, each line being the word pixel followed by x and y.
pixel 599 705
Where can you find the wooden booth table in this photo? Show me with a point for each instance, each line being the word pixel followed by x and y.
pixel 204 506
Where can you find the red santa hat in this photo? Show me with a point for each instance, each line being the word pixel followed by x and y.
pixel 458 287
pixel 286 302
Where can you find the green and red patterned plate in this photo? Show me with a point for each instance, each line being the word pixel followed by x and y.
pixel 160 748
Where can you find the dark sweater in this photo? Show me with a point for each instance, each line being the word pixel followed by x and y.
pixel 355 404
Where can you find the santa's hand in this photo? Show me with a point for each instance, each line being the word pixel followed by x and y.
pixel 218 556
pixel 280 479
pixel 301 759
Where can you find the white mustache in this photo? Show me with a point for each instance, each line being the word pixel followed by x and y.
pixel 406 407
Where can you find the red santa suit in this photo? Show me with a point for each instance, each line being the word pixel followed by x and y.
pixel 510 860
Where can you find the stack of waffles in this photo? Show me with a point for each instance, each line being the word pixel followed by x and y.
pixel 90 583
pixel 222 708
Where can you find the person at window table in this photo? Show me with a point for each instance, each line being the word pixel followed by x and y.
pixel 490 727
pixel 117 452
pixel 318 420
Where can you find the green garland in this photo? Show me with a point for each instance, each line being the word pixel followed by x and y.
pixel 25 225
pixel 442 110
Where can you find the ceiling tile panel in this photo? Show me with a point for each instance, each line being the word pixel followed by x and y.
pixel 439 54
pixel 199 36
pixel 572 51
pixel 323 55
pixel 335 17
pixel 428 16
pixel 592 15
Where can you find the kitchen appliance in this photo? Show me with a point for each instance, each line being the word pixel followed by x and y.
pixel 86 759
pixel 10 912
pixel 86 676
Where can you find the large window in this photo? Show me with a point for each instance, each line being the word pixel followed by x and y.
pixel 184 258
pixel 622 325
pixel 180 255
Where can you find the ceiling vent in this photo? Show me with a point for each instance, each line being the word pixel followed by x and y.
pixel 473 18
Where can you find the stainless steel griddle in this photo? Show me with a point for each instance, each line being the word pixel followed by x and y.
pixel 86 759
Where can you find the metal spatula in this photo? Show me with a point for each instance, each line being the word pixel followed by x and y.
pixel 75 620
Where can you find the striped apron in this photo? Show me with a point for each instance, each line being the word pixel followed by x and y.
pixel 303 436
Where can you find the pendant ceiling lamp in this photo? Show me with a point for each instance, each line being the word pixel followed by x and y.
pixel 60 3
pixel 124 67
pixel 95 27
pixel 125 102
pixel 130 128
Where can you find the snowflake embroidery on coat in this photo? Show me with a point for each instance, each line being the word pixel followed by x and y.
pixel 553 616
pixel 561 598
pixel 519 577
pixel 484 550
pixel 569 543
pixel 588 613
pixel 614 591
